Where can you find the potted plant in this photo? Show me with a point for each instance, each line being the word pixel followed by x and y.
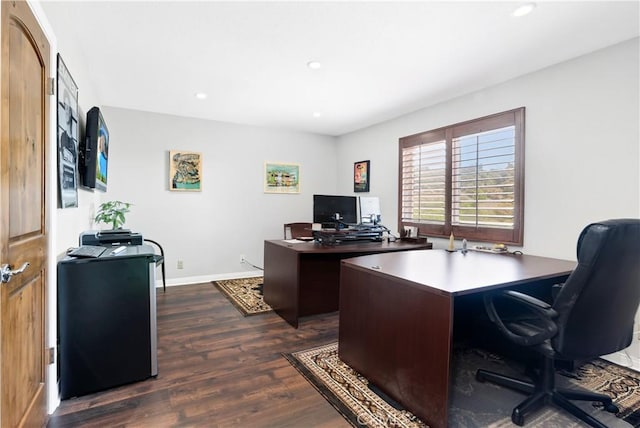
pixel 112 213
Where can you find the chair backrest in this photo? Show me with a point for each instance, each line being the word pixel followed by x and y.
pixel 599 300
pixel 297 230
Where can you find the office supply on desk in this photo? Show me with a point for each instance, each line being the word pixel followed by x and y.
pixel 346 235
pixel 87 251
pixel 118 250
pixel 495 249
pixel 120 237
pixel 393 299
pixel 110 237
pixel 451 246
pixel 591 315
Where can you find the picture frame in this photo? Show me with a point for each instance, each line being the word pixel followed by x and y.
pixel 281 177
pixel 67 136
pixel 185 171
pixel 361 176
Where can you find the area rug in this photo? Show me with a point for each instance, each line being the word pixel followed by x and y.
pixel 472 404
pixel 245 294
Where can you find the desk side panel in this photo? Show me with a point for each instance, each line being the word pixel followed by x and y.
pixel 399 337
pixel 320 273
pixel 281 271
pixel 320 283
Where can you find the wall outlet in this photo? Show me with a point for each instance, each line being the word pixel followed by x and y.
pixel 180 264
pixel 241 258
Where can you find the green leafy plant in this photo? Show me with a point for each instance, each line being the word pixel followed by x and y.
pixel 112 213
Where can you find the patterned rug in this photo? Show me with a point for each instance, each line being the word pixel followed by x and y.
pixel 245 294
pixel 472 404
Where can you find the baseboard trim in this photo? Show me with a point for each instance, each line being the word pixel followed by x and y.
pixel 174 282
pixel 624 359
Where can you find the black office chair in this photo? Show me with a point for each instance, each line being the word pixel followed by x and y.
pixel 159 259
pixel 592 315
pixel 297 230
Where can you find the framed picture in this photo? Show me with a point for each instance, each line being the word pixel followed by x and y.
pixel 281 178
pixel 67 119
pixel 185 171
pixel 361 176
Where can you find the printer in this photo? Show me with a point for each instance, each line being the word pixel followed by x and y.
pixel 110 237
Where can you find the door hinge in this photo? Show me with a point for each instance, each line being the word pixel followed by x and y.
pixel 51 355
pixel 51 88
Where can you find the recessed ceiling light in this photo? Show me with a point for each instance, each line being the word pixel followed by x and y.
pixel 314 65
pixel 523 10
pixel 317 114
pixel 201 96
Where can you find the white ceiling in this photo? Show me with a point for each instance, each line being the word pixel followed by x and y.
pixel 379 59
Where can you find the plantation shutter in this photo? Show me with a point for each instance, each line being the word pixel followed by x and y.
pixel 424 182
pixel 467 179
pixel 483 179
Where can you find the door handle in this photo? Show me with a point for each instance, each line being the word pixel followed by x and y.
pixel 6 273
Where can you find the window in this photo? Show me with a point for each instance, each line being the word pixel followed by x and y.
pixel 467 179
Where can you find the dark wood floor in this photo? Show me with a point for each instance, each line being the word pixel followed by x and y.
pixel 216 368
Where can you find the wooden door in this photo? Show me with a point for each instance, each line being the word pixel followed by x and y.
pixel 24 69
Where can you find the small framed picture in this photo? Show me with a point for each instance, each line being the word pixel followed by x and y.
pixel 281 177
pixel 185 171
pixel 67 137
pixel 361 176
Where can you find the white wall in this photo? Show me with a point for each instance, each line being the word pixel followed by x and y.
pixel 232 215
pixel 71 221
pixel 582 148
pixel 582 145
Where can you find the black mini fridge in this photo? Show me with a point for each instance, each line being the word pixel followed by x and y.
pixel 107 334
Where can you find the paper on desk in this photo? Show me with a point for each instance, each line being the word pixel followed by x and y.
pixel 293 241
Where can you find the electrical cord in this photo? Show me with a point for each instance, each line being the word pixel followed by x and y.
pixel 389 234
pixel 252 265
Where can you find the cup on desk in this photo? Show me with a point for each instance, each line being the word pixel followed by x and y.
pixel 316 226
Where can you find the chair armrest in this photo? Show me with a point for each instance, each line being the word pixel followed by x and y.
pixel 555 290
pixel 532 303
pixel 547 328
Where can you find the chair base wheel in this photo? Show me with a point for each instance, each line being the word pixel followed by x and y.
pixel 546 394
pixel 517 418
pixel 611 408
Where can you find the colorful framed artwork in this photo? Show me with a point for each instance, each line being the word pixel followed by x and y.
pixel 361 176
pixel 185 171
pixel 67 112
pixel 281 178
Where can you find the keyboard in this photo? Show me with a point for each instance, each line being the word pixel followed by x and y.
pixel 87 251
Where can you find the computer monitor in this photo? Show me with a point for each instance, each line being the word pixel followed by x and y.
pixel 325 207
pixel 370 210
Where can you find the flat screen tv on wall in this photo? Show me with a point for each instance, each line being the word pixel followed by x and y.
pixel 94 153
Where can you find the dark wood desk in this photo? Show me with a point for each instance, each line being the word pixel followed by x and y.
pixel 397 312
pixel 302 279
